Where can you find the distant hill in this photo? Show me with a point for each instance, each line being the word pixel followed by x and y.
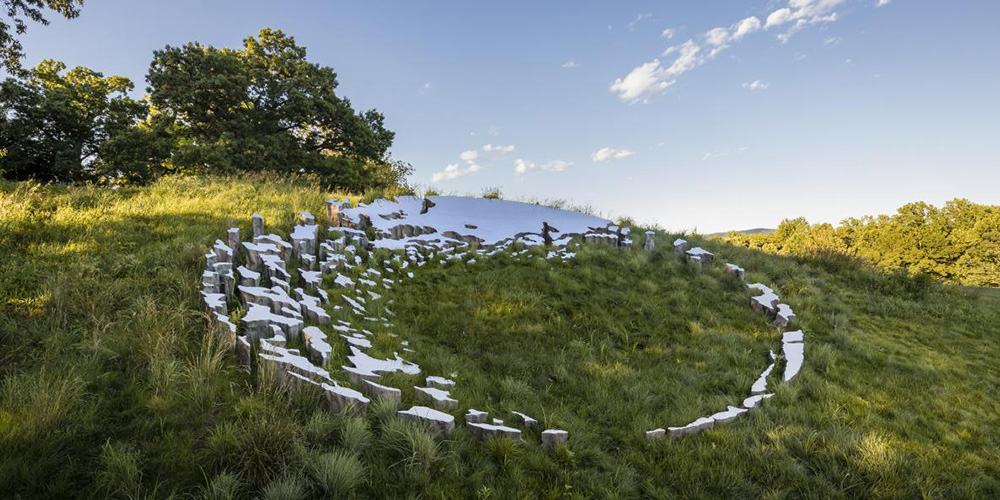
pixel 756 230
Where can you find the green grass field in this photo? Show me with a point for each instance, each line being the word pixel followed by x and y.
pixel 111 388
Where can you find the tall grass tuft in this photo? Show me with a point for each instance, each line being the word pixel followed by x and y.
pixel 285 488
pixel 413 445
pixel 222 487
pixel 337 473
pixel 355 435
pixel 119 473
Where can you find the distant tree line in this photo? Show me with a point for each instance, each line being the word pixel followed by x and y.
pixel 957 243
pixel 206 110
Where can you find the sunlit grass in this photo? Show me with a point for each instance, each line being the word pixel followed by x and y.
pixel 110 385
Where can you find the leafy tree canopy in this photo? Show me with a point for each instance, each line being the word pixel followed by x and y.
pixel 55 123
pixel 265 107
pixel 957 243
pixel 18 13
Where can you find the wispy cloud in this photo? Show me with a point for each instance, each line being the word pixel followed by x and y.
pixel 499 148
pixel 638 19
pixel 570 64
pixel 756 85
pixel 712 155
pixel 668 33
pixel 522 166
pixel 453 171
pixel 652 77
pixel 606 154
pixel 456 170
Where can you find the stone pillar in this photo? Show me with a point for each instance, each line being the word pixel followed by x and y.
pixel 258 225
pixel 650 241
pixel 233 240
pixel 680 246
pixel 364 222
pixel 333 212
pixel 428 204
pixel 552 437
pixel 624 239
pixel 547 231
pixel 305 218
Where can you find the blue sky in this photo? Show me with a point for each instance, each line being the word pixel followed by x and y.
pixel 635 108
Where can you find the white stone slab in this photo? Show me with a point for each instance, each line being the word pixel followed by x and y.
pixel 316 344
pixel 440 399
pixel 378 391
pixel 794 357
pixel 485 431
pixel 476 417
pixel 526 420
pixel 552 437
pixel 438 421
pixel 753 401
pixel 436 381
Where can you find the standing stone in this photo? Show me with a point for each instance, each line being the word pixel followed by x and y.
pixel 624 241
pixel 364 222
pixel 680 246
pixel 305 218
pixel 333 212
pixel 427 205
pixel 552 437
pixel 650 241
pixel 547 231
pixel 258 225
pixel 736 271
pixel 233 240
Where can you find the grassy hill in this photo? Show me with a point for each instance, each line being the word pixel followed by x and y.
pixel 110 387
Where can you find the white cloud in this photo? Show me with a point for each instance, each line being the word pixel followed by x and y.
pixel 570 64
pixel 744 28
pixel 497 147
pixel 651 78
pixel 687 59
pixel 721 37
pixel 778 17
pixel 639 19
pixel 803 13
pixel 717 36
pixel 642 82
pixel 833 40
pixel 712 155
pixel 457 170
pixel 522 166
pixel 557 165
pixel 454 170
pixel 605 154
pixel 883 3
pixel 756 85
pixel 427 86
pixel 668 33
